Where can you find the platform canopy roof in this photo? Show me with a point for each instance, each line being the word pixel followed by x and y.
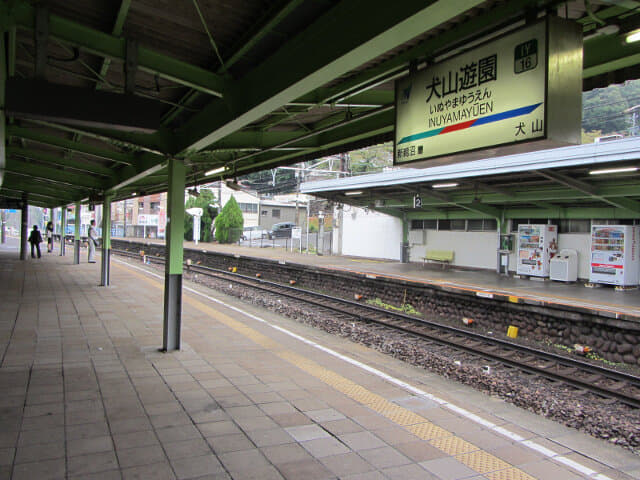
pixel 596 180
pixel 99 94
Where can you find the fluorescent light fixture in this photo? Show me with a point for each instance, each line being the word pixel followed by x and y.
pixel 613 170
pixel 214 171
pixel 133 194
pixel 633 36
pixel 354 192
pixel 444 185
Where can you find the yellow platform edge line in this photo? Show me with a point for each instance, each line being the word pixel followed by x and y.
pixel 437 436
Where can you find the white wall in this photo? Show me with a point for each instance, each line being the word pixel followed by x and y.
pixel 370 234
pixel 471 249
pixel 375 235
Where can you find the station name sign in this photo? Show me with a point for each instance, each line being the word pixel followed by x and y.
pixel 500 93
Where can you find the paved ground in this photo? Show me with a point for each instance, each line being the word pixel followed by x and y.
pixel 87 395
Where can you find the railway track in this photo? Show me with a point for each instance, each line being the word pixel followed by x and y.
pixel 583 376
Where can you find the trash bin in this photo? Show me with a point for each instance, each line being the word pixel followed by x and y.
pixel 404 252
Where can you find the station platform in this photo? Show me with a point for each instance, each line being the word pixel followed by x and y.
pixel 251 395
pixel 604 299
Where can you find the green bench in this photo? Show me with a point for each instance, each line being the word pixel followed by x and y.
pixel 445 257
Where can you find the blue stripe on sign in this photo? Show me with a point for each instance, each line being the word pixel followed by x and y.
pixel 516 112
pixel 420 136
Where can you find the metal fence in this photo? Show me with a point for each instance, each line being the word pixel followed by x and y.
pixel 311 243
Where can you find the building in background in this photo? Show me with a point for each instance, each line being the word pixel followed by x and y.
pixel 141 217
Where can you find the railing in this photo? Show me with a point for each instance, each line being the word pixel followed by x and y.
pixel 310 243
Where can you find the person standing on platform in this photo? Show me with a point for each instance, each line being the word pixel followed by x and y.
pixel 93 241
pixel 35 239
pixel 49 235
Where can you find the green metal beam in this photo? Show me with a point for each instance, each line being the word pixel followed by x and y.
pixel 381 26
pixel 145 166
pixel 312 142
pixel 112 47
pixel 261 32
pixel 591 190
pixel 116 31
pixel 608 53
pixel 11 52
pixel 3 120
pixel 625 203
pixel 399 64
pixel 60 161
pixel 244 45
pixel 43 188
pixel 138 164
pixel 64 177
pixel 294 157
pixel 577 213
pixel 52 140
pixel 487 210
pixel 155 143
pixel 369 98
pixel 17 195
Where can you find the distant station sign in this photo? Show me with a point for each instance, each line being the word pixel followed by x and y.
pixel 147 219
pixel 508 91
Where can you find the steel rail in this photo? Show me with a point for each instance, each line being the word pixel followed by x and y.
pixel 412 325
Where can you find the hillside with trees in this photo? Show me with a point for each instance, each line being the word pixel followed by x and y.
pixel 603 109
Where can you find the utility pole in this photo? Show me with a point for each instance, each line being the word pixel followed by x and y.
pixel 3 233
pixel 124 223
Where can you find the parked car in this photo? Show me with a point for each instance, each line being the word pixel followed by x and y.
pixel 281 230
pixel 254 233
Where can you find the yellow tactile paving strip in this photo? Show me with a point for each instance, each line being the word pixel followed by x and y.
pixel 465 452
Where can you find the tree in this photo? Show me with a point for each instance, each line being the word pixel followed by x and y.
pixel 604 108
pixel 229 223
pixel 204 201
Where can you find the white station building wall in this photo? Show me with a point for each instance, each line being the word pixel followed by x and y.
pixel 376 235
pixel 370 234
pixel 471 249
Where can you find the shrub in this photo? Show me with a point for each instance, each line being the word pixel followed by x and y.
pixel 229 223
pixel 204 201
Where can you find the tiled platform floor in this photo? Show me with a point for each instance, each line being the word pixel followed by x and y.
pixel 86 395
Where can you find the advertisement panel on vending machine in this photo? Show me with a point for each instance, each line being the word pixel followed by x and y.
pixel 537 244
pixel 614 255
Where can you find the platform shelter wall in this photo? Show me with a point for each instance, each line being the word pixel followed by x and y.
pixel 376 235
pixel 370 234
pixel 471 249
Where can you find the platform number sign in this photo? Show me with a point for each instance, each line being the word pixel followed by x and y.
pixel 525 56
pixel 417 201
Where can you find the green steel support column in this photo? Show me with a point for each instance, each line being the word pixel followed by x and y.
pixel 76 235
pixel 502 223
pixel 173 262
pixel 24 229
pixel 404 246
pixel 63 227
pixel 106 241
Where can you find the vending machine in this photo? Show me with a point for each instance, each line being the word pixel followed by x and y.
pixel 614 254
pixel 537 244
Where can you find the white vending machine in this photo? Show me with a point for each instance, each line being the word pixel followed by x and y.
pixel 537 244
pixel 614 254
